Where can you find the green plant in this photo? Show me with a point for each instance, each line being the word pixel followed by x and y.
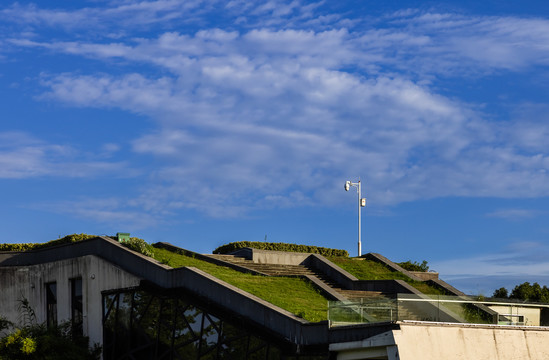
pixel 530 292
pixel 414 266
pixel 372 270
pixel 35 246
pixel 501 293
pixel 165 260
pixel 26 312
pixel 292 294
pixel 35 341
pixel 5 324
pixel 230 247
pixel 139 245
pixel 38 342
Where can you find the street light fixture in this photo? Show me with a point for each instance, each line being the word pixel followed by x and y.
pixel 361 204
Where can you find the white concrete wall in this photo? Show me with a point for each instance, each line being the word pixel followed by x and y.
pixel 278 257
pixel 449 342
pixel 29 282
pixel 438 341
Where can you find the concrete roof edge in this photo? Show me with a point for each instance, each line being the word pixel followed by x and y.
pixel 289 326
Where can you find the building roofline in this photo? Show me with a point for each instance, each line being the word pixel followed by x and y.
pixel 285 324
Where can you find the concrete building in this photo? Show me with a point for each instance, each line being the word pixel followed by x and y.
pixel 139 308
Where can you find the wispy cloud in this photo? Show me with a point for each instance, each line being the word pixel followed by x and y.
pixel 24 156
pixel 271 109
pixel 115 13
pixel 118 17
pixel 519 258
pixel 507 267
pixel 424 44
pixel 254 113
pixel 112 211
pixel 514 214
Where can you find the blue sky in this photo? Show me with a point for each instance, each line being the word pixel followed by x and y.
pixel 205 122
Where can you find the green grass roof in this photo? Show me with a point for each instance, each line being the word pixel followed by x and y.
pixel 364 269
pixel 295 295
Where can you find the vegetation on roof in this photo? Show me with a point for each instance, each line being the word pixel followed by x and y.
pixel 133 243
pixel 372 270
pixel 295 295
pixel 139 245
pixel 34 246
pixel 230 247
pixel 304 300
pixel 414 266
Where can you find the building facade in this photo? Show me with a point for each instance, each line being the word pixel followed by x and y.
pixel 138 308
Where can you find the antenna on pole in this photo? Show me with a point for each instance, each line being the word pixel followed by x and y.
pixel 361 204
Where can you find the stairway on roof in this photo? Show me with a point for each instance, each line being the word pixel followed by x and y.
pixel 297 270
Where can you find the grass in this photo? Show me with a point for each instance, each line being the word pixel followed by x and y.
pixel 304 300
pixel 295 295
pixel 372 270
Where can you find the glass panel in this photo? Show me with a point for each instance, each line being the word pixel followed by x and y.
pixel 257 349
pixel 193 318
pixel 369 310
pixel 51 304
pixel 109 325
pixel 189 351
pixel 146 310
pixel 440 308
pixel 187 326
pixel 274 353
pixel 124 311
pixel 234 344
pixel 76 306
pixel 108 304
pixel 209 334
pixel 165 327
pixel 141 303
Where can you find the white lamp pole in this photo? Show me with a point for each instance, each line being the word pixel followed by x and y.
pixel 361 203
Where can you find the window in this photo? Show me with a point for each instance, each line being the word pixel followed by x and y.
pixel 51 304
pixel 76 306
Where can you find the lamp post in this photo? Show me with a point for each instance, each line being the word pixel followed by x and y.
pixel 361 204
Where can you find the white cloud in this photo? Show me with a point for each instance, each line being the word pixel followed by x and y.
pixel 23 156
pixel 255 115
pixel 253 147
pixel 521 258
pixel 424 44
pixel 514 214
pixel 113 211
pixel 114 13
pixel 136 14
pixel 483 273
pixel 270 123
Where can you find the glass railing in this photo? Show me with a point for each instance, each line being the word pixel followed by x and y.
pixel 437 308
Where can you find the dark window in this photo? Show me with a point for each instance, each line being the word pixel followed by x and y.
pixel 139 324
pixel 76 306
pixel 51 304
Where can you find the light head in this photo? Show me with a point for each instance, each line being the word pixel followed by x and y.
pixel 347 185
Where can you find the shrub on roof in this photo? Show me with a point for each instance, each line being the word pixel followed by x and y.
pixel 139 245
pixel 133 243
pixel 414 266
pixel 230 247
pixel 34 246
